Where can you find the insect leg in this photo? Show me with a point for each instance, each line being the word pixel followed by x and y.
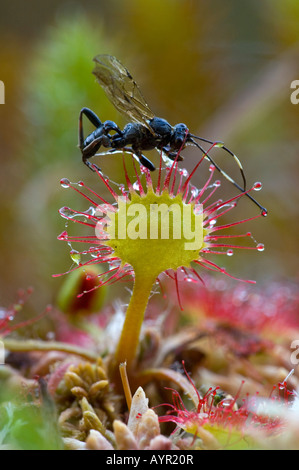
pixel 111 126
pixel 263 209
pixel 172 155
pixel 92 166
pixel 90 150
pixel 137 155
pixel 221 145
pixel 142 159
pixel 146 162
pixel 92 117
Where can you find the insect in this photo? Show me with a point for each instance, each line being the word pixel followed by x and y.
pixel 146 131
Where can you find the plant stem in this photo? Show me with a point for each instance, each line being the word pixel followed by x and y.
pixel 38 345
pixel 129 339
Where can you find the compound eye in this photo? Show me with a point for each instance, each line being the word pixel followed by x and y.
pixel 181 128
pixel 179 141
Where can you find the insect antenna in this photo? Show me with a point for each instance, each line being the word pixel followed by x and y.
pixel 263 209
pixel 221 145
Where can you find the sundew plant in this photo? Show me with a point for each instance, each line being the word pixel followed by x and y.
pixel 147 231
pixel 161 235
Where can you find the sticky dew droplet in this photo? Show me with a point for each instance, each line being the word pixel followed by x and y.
pixel 90 211
pixel 75 256
pixel 66 212
pixel 184 172
pixel 212 222
pixel 194 191
pixel 65 183
pixel 136 186
pixel 219 144
pixel 257 186
pixel 260 247
pixel 63 236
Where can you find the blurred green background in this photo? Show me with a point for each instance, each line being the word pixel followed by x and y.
pixel 222 67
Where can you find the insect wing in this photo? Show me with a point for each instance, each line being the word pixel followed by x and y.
pixel 121 89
